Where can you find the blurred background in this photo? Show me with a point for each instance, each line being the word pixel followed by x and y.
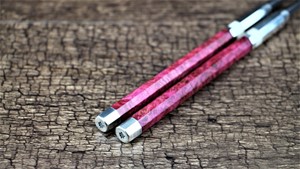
pixel 64 61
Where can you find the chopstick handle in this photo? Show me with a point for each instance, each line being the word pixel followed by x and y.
pixel 169 100
pixel 176 71
pixel 188 86
pixel 134 101
pixel 161 82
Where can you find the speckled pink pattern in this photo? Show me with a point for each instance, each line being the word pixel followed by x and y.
pixel 162 81
pixel 169 100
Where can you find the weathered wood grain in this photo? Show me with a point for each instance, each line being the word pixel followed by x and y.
pixel 61 62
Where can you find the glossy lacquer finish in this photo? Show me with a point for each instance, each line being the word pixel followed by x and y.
pixel 162 81
pixel 170 99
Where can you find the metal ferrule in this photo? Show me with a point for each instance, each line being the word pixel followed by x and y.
pixel 107 119
pixel 262 31
pixel 129 130
pixel 237 28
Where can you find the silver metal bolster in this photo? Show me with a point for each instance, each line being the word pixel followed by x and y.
pixel 129 130
pixel 107 119
pixel 237 28
pixel 258 35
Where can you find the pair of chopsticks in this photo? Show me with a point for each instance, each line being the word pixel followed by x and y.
pixel 150 102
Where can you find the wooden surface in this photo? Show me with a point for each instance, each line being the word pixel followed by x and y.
pixel 62 62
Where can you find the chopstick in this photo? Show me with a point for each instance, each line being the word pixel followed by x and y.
pixel 174 96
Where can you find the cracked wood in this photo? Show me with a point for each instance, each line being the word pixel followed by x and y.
pixel 61 63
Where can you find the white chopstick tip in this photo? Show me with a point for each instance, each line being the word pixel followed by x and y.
pixel 129 130
pixel 107 119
